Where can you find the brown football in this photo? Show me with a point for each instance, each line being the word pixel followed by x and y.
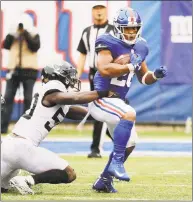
pixel 122 59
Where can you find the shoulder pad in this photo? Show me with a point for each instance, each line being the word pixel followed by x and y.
pixel 103 43
pixel 54 85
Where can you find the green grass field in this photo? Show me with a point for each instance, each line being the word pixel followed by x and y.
pixel 153 178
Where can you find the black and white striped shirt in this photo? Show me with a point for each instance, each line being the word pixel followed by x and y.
pixel 87 42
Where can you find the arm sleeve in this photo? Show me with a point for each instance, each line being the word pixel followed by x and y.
pixel 8 42
pixel 32 42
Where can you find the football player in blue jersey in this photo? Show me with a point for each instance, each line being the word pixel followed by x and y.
pixel 120 116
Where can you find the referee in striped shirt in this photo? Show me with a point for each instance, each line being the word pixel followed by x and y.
pixel 86 48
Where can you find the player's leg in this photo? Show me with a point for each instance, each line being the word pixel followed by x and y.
pixel 11 87
pixel 8 163
pixel 95 151
pixel 110 113
pixel 118 113
pixel 47 167
pixel 129 148
pixel 122 133
pixel 99 185
pixel 103 183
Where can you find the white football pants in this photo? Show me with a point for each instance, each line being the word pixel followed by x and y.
pixel 18 153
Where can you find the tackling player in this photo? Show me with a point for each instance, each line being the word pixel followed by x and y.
pixel 50 105
pixel 119 116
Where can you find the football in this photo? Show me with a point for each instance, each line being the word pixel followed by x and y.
pixel 122 59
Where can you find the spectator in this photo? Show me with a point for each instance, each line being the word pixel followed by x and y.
pixel 23 42
pixel 86 48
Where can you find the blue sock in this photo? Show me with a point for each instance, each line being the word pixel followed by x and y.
pixel 105 171
pixel 122 134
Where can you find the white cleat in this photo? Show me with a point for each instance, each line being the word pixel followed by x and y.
pixel 21 184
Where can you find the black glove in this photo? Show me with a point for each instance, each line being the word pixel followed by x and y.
pixel 102 94
pixel 106 93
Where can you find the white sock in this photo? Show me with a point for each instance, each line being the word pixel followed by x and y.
pixel 30 179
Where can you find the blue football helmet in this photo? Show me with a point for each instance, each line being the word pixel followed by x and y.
pixel 127 17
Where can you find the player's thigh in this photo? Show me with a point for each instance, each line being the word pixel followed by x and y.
pixel 9 156
pixel 38 160
pixel 109 110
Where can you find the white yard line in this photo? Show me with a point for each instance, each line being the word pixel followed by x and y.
pixel 141 140
pixel 141 185
pixel 137 154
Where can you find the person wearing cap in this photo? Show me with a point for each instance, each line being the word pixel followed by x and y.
pixel 22 42
pixel 86 47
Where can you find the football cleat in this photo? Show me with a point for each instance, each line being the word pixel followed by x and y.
pixel 116 169
pixel 94 155
pixel 21 184
pixel 103 184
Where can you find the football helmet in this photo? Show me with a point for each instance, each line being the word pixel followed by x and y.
pixel 64 72
pixel 127 17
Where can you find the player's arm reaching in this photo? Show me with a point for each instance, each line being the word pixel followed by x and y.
pixel 78 113
pixel 71 98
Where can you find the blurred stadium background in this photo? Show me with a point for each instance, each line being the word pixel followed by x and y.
pixel 167 27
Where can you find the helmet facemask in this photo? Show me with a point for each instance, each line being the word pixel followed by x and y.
pixel 69 78
pixel 119 33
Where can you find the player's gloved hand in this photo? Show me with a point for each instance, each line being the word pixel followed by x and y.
pixel 136 61
pixel 106 93
pixel 160 73
pixel 103 93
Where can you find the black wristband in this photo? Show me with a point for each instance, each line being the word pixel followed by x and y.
pixel 103 93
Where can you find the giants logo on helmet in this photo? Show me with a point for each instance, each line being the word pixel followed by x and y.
pixel 181 29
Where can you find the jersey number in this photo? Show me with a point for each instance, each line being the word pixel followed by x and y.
pixel 32 108
pixel 57 118
pixel 119 82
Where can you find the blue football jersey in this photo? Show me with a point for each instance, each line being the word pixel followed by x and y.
pixel 117 47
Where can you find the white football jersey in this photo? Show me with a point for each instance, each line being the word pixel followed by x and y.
pixel 37 121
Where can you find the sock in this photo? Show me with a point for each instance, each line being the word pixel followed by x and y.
pixel 54 176
pixel 128 151
pixel 3 190
pixel 105 171
pixel 122 134
pixel 30 179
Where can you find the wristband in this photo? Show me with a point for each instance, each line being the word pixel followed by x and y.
pixel 102 94
pixel 153 75
pixel 144 77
